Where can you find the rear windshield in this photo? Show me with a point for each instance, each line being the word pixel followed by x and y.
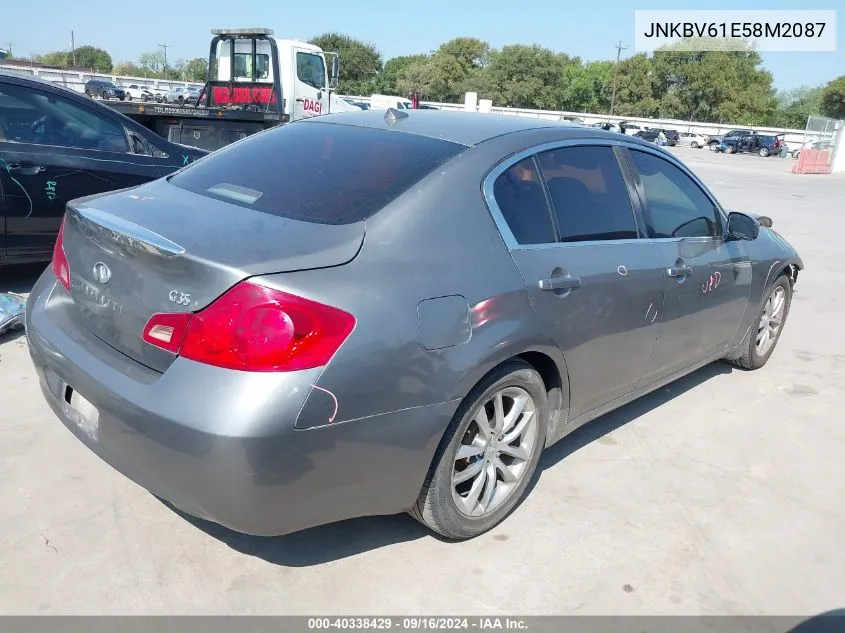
pixel 317 172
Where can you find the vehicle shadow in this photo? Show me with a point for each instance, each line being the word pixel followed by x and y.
pixel 20 279
pixel 832 621
pixel 356 536
pixel 609 422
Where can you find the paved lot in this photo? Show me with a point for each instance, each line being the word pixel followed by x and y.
pixel 723 493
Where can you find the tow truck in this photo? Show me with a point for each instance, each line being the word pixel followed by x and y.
pixel 255 81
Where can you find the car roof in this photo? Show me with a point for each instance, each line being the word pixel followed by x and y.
pixel 465 128
pixel 23 80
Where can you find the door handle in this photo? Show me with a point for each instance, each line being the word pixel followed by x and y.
pixel 27 169
pixel 679 271
pixel 560 283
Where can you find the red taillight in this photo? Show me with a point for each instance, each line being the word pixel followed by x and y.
pixel 61 268
pixel 254 328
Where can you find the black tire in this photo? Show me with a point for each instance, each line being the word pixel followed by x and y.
pixel 129 97
pixel 713 147
pixel 88 93
pixel 751 358
pixel 435 506
pixel 181 100
pixel 764 152
pixel 730 149
pixel 694 144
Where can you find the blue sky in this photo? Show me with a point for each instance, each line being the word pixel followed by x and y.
pixel 398 27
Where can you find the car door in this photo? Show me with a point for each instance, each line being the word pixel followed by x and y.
pixel 592 277
pixel 310 95
pixel 707 279
pixel 60 149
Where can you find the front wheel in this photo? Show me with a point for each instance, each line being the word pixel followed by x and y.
pixel 694 144
pixel 764 152
pixel 765 332
pixel 488 455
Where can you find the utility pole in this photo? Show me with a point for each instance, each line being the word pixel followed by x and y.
pixel 73 49
pixel 165 47
pixel 619 49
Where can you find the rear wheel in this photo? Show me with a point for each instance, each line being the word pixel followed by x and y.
pixel 764 152
pixel 765 332
pixel 694 144
pixel 181 100
pixel 488 455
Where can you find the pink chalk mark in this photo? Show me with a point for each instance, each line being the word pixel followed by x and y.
pixel 333 415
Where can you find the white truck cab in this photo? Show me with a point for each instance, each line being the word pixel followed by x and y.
pixel 251 67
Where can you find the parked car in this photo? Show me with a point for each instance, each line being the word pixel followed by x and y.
pixel 692 139
pixel 651 136
pixel 322 344
pixel 714 141
pixel 672 136
pixel 631 129
pixel 762 144
pixel 182 94
pixel 57 145
pixel 99 89
pixel 141 93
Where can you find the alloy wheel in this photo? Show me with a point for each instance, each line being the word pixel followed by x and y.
pixel 495 451
pixel 771 320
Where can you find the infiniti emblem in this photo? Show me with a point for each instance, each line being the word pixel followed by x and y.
pixel 102 273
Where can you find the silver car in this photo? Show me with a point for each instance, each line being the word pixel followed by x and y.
pixel 385 311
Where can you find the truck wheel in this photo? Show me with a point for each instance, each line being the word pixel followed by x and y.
pixel 488 455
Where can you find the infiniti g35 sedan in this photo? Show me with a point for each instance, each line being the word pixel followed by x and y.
pixel 376 312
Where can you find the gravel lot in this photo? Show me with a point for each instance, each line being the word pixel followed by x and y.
pixel 723 493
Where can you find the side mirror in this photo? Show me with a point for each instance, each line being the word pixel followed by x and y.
pixel 742 227
pixel 335 74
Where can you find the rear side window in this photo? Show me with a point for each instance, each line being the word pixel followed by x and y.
pixel 589 194
pixel 317 172
pixel 522 202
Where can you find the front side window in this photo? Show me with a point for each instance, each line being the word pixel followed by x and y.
pixel 675 205
pixel 317 172
pixel 588 193
pixel 311 69
pixel 522 202
pixel 46 119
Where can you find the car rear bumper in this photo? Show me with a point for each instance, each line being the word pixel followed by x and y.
pixel 210 452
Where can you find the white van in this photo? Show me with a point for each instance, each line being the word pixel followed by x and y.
pixel 383 102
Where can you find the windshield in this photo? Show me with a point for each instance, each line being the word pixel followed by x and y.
pixel 317 172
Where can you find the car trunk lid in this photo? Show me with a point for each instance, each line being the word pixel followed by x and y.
pixel 138 252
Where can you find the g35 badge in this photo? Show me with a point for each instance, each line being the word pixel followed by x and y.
pixel 180 298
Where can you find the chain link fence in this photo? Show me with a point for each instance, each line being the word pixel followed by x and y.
pixel 816 153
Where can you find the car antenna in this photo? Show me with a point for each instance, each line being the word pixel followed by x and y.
pixel 393 115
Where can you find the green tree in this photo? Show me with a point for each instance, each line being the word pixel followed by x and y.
pixel 713 86
pixel 794 106
pixel 526 76
pixel 635 87
pixel 128 69
pixel 386 81
pixel 360 62
pixel 833 98
pixel 196 69
pixel 91 57
pixel 56 58
pixel 152 63
pixel 587 87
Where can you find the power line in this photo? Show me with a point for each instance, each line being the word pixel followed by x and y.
pixel 619 49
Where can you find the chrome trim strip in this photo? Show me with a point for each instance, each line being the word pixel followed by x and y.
pixel 127 233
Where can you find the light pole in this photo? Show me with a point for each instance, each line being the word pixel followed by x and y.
pixel 619 49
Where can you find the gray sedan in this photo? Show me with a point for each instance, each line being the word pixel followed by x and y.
pixel 375 312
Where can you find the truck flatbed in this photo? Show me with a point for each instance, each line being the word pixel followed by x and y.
pixel 197 126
